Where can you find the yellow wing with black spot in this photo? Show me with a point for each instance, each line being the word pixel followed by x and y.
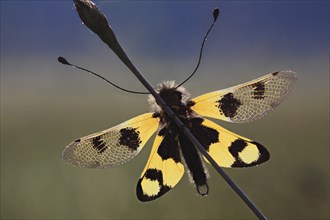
pixel 248 101
pixel 164 168
pixel 226 148
pixel 111 147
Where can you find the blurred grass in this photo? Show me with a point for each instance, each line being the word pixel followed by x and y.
pixel 41 116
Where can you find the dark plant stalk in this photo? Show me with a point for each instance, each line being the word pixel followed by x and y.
pixel 94 19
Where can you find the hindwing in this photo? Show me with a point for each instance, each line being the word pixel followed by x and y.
pixel 163 170
pixel 248 101
pixel 226 148
pixel 111 147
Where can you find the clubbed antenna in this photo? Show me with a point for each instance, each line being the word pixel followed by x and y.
pixel 215 17
pixel 65 62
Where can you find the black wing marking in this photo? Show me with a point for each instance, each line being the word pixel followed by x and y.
pixel 163 170
pixel 111 147
pixel 226 148
pixel 249 101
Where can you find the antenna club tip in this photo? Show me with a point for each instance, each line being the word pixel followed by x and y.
pixel 216 13
pixel 63 60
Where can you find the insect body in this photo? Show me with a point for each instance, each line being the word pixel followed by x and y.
pixel 172 152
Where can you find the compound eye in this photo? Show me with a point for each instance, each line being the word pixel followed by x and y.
pixel 178 95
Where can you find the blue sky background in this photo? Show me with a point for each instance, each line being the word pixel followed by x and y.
pixel 45 105
pixel 268 32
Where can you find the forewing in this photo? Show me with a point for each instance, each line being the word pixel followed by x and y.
pixel 111 147
pixel 163 170
pixel 226 148
pixel 248 101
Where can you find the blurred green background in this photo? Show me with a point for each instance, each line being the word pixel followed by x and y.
pixel 45 105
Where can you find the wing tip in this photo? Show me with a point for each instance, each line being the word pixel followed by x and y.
pixel 147 198
pixel 263 157
pixel 264 154
pixel 291 75
pixel 68 156
pixel 292 78
pixel 140 195
pixel 67 152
